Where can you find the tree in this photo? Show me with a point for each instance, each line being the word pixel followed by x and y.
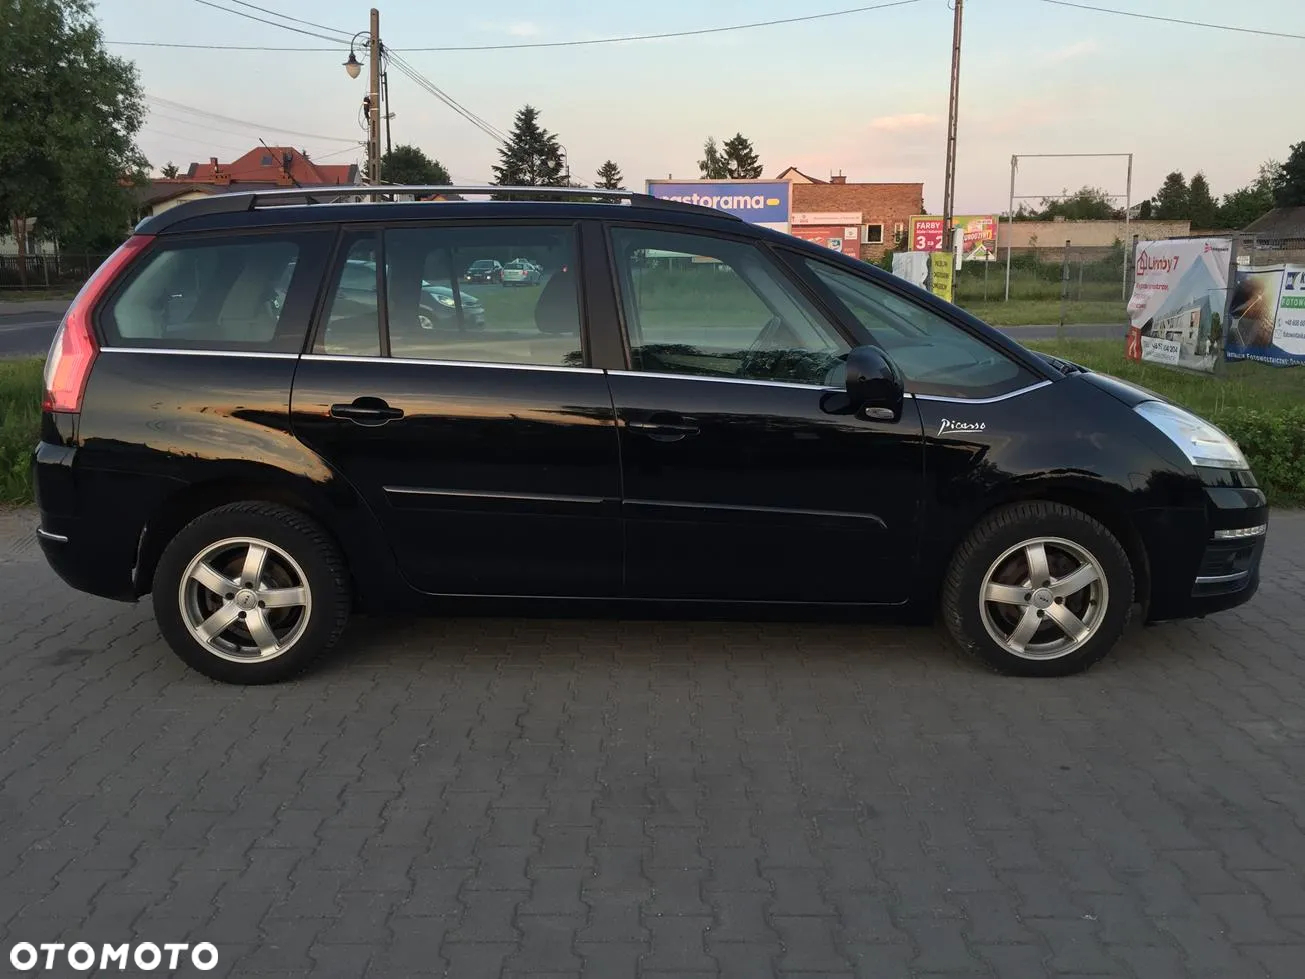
pixel 407 164
pixel 170 170
pixel 67 133
pixel 1289 181
pixel 1085 204
pixel 1245 204
pixel 609 176
pixel 712 166
pixel 741 161
pixel 1172 201
pixel 1201 206
pixel 1144 210
pixel 532 156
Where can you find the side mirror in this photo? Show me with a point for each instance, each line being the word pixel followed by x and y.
pixel 874 384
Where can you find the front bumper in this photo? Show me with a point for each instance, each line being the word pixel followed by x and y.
pixel 1205 560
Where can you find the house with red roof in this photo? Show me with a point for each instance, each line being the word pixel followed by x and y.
pixel 271 166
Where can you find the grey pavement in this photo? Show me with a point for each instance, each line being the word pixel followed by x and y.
pixel 512 797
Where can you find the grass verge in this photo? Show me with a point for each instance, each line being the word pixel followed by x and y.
pixel 20 425
pixel 1046 312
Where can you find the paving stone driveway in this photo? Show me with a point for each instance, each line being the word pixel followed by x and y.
pixel 496 797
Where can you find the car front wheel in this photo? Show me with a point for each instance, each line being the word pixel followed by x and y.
pixel 251 593
pixel 1038 589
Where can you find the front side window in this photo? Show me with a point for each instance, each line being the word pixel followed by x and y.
pixel 713 307
pixel 219 293
pixel 936 357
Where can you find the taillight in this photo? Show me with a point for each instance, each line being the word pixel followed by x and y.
pixel 74 348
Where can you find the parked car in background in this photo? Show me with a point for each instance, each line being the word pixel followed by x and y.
pixel 484 270
pixel 437 308
pixel 521 273
pixel 759 421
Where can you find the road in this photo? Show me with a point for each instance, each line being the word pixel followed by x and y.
pixel 508 797
pixel 26 329
pixel 28 332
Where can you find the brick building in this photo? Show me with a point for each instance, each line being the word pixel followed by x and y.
pixel 823 210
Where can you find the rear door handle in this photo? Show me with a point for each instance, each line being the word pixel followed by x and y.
pixel 368 412
pixel 664 426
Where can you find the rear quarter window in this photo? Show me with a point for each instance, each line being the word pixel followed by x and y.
pixel 230 292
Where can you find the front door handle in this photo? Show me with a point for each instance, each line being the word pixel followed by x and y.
pixel 368 412
pixel 664 426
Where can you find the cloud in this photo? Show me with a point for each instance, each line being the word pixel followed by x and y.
pixel 904 123
pixel 1069 52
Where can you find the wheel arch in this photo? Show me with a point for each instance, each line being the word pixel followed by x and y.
pixel 340 520
pixel 1103 502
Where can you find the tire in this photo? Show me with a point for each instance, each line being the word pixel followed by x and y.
pixel 1019 631
pixel 301 595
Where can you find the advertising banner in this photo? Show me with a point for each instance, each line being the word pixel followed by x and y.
pixel 1175 314
pixel 835 237
pixel 768 203
pixel 941 279
pixel 1267 316
pixel 980 234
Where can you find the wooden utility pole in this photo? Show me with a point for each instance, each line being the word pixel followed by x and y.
pixel 949 181
pixel 374 101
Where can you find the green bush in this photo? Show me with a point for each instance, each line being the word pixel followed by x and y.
pixel 1274 444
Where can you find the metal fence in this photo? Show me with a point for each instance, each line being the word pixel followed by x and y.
pixel 66 271
pixel 1037 278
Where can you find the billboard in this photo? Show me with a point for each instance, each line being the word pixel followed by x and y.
pixel 926 234
pixel 837 237
pixel 1175 312
pixel 941 275
pixel 768 203
pixel 1266 316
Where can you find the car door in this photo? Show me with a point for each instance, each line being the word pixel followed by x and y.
pixel 490 454
pixel 744 476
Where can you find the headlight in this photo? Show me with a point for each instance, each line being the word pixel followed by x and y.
pixel 1201 442
pixel 445 301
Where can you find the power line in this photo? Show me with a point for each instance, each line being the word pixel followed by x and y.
pixel 180 107
pixel 1175 20
pixel 264 20
pixel 514 47
pixel 296 20
pixel 421 80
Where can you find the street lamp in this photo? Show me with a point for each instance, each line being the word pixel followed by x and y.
pixel 373 101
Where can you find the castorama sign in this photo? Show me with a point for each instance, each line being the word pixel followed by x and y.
pixel 768 203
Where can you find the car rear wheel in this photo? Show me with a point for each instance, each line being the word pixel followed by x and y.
pixel 1038 589
pixel 251 593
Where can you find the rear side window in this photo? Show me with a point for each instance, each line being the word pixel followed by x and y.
pixel 241 293
pixel 446 300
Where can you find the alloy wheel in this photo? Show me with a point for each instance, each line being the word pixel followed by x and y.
pixel 245 600
pixel 1043 598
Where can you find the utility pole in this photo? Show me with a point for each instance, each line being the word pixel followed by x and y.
pixel 374 100
pixel 949 181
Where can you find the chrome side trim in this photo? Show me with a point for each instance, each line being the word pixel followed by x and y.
pixel 735 508
pixel 724 380
pixel 261 354
pixel 983 401
pixel 46 535
pixel 1223 579
pixel 494 495
pixel 418 362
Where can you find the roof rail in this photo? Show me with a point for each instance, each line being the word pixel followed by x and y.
pixel 236 201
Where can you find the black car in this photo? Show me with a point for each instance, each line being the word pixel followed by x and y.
pixel 696 412
pixel 484 270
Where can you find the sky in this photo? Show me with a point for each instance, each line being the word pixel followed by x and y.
pixel 864 94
